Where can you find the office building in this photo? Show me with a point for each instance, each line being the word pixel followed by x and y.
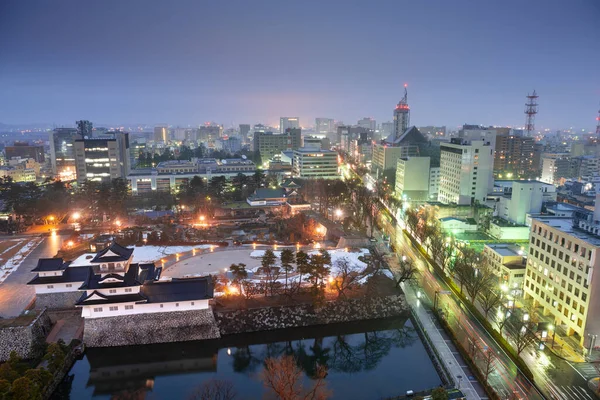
pixel 231 144
pixel 507 262
pixel 168 176
pixel 102 159
pixel 161 134
pixel 516 201
pixel 208 133
pixel 346 134
pixel 269 144
pixel 555 167
pixel 585 166
pixel 401 118
pixel 324 125
pixel 514 157
pixel 314 163
pixel 25 150
pixel 386 129
pixel 433 131
pixel 62 153
pixel 387 153
pixel 466 171
pixel 18 173
pixel 367 123
pixel 244 131
pixel 286 123
pixel 434 182
pixel 563 253
pixel 412 179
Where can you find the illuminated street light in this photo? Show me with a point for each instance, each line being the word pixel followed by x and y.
pixel 338 213
pixel 202 218
pixel 76 216
pixel 525 317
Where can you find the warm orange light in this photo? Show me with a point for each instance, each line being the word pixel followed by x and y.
pixel 76 216
pixel 51 218
pixel 70 243
pixel 202 218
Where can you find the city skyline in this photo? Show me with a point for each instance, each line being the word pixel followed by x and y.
pixel 154 65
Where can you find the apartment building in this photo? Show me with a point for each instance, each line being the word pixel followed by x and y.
pixel 563 255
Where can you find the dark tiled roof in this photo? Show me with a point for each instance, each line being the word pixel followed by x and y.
pixel 122 253
pixel 104 299
pixel 71 274
pixel 136 275
pixel 178 290
pixel 264 193
pixel 50 264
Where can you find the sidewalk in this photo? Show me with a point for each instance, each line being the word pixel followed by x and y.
pixel 449 356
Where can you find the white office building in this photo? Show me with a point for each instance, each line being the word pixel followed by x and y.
pixel 466 171
pixel 313 163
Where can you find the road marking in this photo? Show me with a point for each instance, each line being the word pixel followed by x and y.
pixel 586 394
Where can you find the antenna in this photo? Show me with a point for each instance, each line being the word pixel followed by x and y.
pixel 405 99
pixel 598 124
pixel 531 109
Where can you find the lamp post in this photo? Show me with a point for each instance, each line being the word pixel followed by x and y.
pixel 592 342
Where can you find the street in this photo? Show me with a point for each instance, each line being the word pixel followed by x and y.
pixel 15 295
pixel 557 378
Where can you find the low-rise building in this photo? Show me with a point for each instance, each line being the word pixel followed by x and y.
pixel 514 201
pixel 169 175
pixel 507 261
pixel 18 173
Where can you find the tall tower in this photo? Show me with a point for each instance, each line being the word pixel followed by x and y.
pixel 531 109
pixel 401 116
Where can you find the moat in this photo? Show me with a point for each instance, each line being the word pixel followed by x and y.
pixel 365 360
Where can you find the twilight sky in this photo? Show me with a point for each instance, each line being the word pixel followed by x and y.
pixel 186 62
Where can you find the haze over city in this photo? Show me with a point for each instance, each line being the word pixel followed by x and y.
pixel 245 62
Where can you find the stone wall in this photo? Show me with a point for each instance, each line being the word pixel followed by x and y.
pixel 150 328
pixel 57 301
pixel 26 340
pixel 269 318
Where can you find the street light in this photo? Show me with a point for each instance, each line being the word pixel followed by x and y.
pixel 76 216
pixel 338 213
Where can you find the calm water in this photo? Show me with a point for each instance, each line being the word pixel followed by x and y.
pixel 367 360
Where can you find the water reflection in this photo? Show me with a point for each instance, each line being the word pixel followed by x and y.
pixel 364 360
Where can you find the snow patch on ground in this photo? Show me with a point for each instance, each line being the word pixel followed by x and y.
pixel 15 261
pixel 144 254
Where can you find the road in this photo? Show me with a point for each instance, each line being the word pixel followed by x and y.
pixel 557 378
pixel 15 295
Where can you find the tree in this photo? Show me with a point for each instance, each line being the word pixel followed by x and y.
pixel 522 334
pixel 405 271
pixel 489 358
pixel 271 273
pixel 215 389
pixel 318 271
pixel 282 379
pixel 347 276
pixel 439 394
pixel 24 388
pixel 464 267
pixel 239 275
pixel 412 219
pixel 489 299
pixel 302 265
pixel 482 279
pixel 287 258
pixel 55 357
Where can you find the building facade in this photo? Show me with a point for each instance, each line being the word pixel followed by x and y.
pixel 412 179
pixel 62 152
pixel 102 159
pixel 507 261
pixel 466 171
pixel 324 125
pixel 315 163
pixel 560 279
pixel 367 123
pixel 25 150
pixel 286 123
pixel 514 157
pixel 161 134
pixel 269 144
pixel 555 167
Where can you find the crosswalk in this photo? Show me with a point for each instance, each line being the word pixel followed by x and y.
pixel 587 370
pixel 571 393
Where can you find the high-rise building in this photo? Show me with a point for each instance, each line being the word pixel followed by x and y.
pixel 315 163
pixel 367 123
pixel 563 254
pixel 433 131
pixel 324 125
pixel 102 159
pixel 62 152
pixel 514 157
pixel 269 144
pixel 466 171
pixel 244 130
pixel 161 134
pixel 555 167
pixel 286 123
pixel 386 154
pixel 25 150
pixel 401 118
pixel 208 133
pixel 412 178
pixel 387 128
pixel 84 128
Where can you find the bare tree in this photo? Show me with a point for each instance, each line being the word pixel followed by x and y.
pixel 283 380
pixel 489 364
pixel 522 334
pixel 481 280
pixel 215 389
pixel 489 299
pixel 464 267
pixel 405 272
pixel 347 276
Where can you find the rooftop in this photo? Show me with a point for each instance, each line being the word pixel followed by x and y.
pixel 566 225
pixel 114 252
pixel 71 274
pixel 50 264
pixel 178 290
pixel 506 249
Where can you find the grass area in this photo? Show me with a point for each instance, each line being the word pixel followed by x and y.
pixel 21 320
